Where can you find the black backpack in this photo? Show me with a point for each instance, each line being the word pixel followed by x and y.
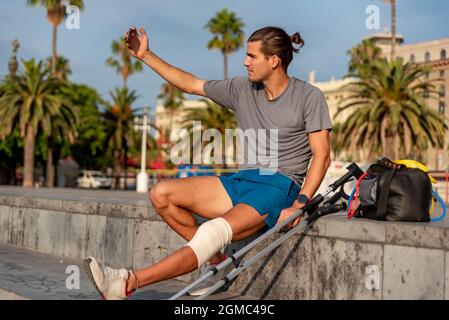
pixel 394 193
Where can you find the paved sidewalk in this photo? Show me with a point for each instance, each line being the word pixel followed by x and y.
pixel 26 274
pixel 110 196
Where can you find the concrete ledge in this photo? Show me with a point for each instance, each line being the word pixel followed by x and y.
pixel 337 259
pixel 7 295
pixel 26 275
pixel 105 207
pixel 432 236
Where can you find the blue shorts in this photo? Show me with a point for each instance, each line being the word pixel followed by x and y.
pixel 265 193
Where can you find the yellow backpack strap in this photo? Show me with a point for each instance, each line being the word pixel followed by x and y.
pixel 416 165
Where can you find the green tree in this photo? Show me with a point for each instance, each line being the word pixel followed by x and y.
pixel 11 147
pixel 335 140
pixel 362 56
pixel 30 102
pixel 62 133
pixel 11 156
pixel 123 64
pixel 226 28
pixel 63 70
pixel 13 65
pixel 393 28
pixel 89 149
pixel 388 110
pixel 213 116
pixel 120 134
pixel 56 12
pixel 172 100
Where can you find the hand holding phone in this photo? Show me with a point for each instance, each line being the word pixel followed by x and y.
pixel 137 44
pixel 129 34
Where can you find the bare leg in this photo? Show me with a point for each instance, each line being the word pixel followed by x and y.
pixel 244 221
pixel 175 200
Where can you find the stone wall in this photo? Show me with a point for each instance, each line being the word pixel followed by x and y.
pixel 121 235
pixel 337 259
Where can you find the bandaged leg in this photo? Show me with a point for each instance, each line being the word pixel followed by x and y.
pixel 210 237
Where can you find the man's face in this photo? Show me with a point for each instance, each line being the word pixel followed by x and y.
pixel 258 66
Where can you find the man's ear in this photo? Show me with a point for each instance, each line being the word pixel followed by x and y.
pixel 275 62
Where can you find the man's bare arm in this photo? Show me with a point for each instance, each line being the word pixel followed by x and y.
pixel 138 45
pixel 319 143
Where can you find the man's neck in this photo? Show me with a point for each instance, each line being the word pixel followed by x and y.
pixel 275 85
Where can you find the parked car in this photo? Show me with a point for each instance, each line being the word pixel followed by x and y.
pixel 93 179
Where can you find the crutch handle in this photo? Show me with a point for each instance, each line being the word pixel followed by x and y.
pixel 326 211
pixel 353 171
pixel 315 200
pixel 313 204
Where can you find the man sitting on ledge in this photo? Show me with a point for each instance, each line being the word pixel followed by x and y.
pixel 240 205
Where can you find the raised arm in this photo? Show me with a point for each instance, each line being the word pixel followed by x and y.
pixel 138 45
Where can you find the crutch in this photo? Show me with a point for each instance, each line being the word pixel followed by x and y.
pixel 353 171
pixel 320 212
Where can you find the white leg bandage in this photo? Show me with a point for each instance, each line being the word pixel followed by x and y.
pixel 210 237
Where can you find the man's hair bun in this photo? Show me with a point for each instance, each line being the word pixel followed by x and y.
pixel 296 39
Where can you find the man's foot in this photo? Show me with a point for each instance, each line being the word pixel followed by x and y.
pixel 110 283
pixel 201 288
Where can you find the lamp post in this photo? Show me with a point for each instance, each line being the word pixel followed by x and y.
pixel 142 177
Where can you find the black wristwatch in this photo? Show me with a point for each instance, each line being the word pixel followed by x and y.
pixel 302 198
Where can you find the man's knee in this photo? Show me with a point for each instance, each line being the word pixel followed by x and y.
pixel 159 194
pixel 210 237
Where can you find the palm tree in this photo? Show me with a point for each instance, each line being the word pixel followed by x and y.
pixel 213 116
pixel 361 57
pixel 393 28
pixel 54 143
pixel 31 103
pixel 172 100
pixel 335 140
pixel 119 118
pixel 11 156
pixel 63 128
pixel 12 63
pixel 388 106
pixel 124 65
pixel 228 34
pixel 63 70
pixel 56 11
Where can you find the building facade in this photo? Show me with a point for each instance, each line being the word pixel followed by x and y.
pixel 433 53
pixel 168 121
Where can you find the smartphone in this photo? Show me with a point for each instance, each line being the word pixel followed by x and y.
pixel 131 33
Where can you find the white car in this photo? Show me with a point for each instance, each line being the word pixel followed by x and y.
pixel 93 179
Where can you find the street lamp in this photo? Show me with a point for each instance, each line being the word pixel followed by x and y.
pixel 142 177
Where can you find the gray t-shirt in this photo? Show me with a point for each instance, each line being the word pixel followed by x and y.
pixel 286 120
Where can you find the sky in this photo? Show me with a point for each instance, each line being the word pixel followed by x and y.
pixel 177 34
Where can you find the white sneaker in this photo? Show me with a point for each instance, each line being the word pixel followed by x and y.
pixel 201 288
pixel 110 283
